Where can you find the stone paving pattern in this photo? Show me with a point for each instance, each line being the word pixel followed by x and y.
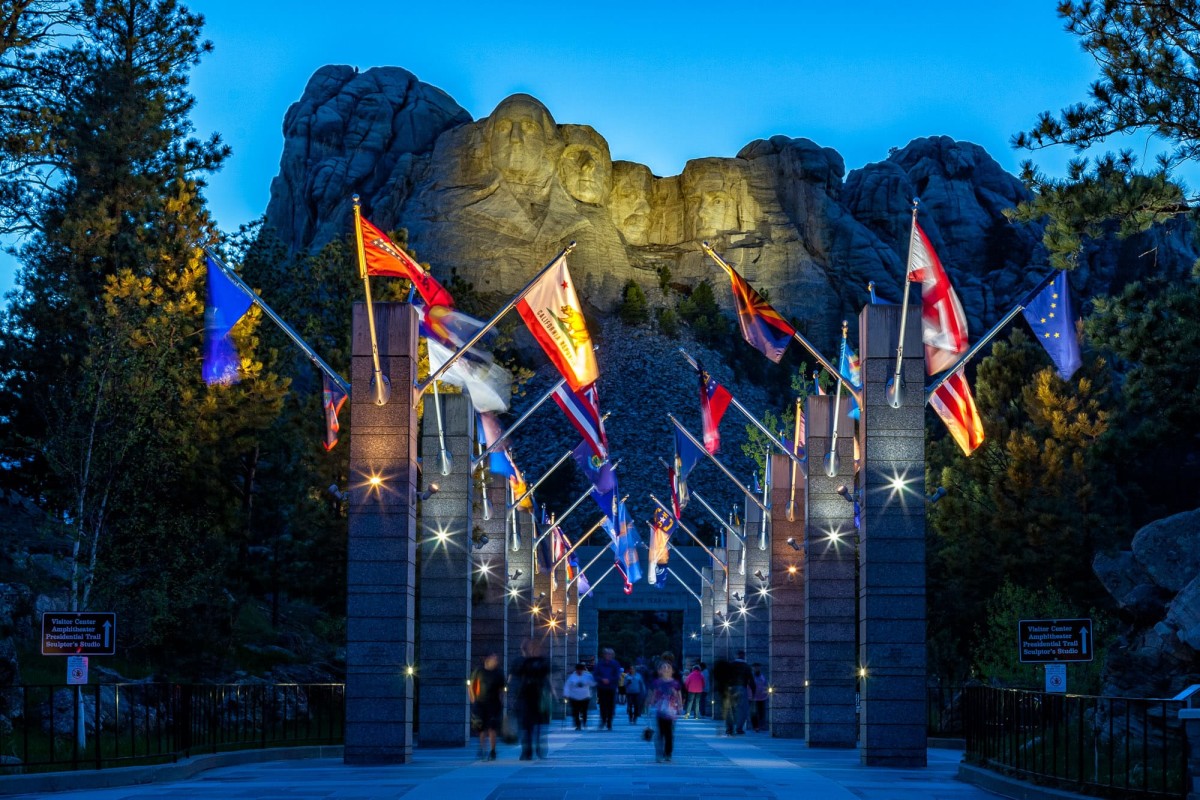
pixel 592 765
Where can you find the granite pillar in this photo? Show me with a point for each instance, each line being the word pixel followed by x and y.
pixel 444 662
pixel 786 659
pixel 519 549
pixel 489 624
pixel 892 549
pixel 829 585
pixel 381 545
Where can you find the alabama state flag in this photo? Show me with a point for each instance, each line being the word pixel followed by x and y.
pixel 552 312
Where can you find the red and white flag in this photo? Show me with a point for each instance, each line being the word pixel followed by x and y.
pixel 954 404
pixel 385 257
pixel 554 316
pixel 943 323
pixel 583 411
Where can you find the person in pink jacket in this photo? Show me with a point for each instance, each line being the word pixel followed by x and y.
pixel 696 688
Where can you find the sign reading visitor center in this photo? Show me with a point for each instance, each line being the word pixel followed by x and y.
pixel 86 633
pixel 1048 641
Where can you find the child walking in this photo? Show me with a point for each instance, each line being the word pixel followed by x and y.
pixel 667 702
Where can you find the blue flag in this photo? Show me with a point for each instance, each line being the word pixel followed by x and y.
pixel 600 473
pixel 686 456
pixel 627 547
pixel 545 559
pixel 850 368
pixel 226 305
pixel 499 460
pixel 1050 317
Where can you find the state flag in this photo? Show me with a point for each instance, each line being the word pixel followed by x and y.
pixel 332 400
pixel 714 400
pixel 627 548
pixel 385 257
pixel 226 306
pixel 553 314
pixel 583 412
pixel 762 326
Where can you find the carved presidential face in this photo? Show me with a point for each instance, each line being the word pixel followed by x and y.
pixel 629 205
pixel 523 140
pixel 585 168
pixel 712 195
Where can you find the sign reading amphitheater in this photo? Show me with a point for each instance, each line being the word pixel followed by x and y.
pixel 1049 641
pixel 85 633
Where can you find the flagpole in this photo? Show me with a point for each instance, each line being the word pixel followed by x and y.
pixel 710 509
pixel 503 437
pixel 797 335
pixel 559 520
pixel 991 334
pixel 684 585
pixel 831 460
pixel 688 531
pixel 593 561
pixel 421 386
pixel 791 506
pixel 895 387
pixel 443 454
pixel 545 475
pixel 768 479
pixel 713 459
pixel 683 558
pixel 583 538
pixel 317 361
pixel 733 401
pixel 594 584
pixel 383 387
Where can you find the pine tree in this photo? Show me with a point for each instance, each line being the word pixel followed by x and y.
pixel 109 425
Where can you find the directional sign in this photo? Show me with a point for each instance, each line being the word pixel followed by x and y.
pixel 86 633
pixel 1049 641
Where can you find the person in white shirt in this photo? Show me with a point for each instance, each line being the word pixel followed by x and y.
pixel 578 691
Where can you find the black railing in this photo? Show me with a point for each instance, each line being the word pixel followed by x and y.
pixel 1109 746
pixel 943 704
pixel 146 723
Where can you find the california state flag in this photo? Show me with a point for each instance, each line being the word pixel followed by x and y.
pixel 551 310
pixel 954 404
pixel 943 323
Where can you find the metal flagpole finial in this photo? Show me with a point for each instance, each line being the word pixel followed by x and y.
pixel 570 246
pixel 355 198
pixel 916 201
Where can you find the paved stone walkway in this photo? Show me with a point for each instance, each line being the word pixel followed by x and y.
pixel 589 765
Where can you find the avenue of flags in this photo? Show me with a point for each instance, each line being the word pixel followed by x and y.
pixel 550 308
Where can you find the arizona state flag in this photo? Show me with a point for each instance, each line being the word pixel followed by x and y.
pixel 762 326
pixel 385 257
pixel 954 404
pixel 552 312
pixel 332 399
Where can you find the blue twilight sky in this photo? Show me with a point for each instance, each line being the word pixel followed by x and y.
pixel 663 83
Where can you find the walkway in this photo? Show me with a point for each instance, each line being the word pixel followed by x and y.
pixel 589 765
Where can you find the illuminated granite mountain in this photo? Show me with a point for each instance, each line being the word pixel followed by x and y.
pixel 496 198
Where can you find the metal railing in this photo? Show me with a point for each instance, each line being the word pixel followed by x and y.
pixel 1109 746
pixel 146 723
pixel 943 704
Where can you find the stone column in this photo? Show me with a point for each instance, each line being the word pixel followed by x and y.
pixel 444 662
pixel 786 660
pixel 520 587
pixel 831 659
pixel 489 628
pixel 706 616
pixel 381 546
pixel 757 625
pixel 892 548
pixel 721 618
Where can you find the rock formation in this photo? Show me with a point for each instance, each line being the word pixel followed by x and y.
pixel 1157 585
pixel 496 198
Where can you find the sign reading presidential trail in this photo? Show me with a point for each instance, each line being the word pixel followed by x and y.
pixel 84 633
pixel 1050 641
